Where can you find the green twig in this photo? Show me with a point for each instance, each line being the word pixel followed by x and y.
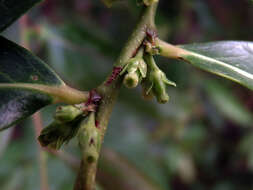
pixel 109 93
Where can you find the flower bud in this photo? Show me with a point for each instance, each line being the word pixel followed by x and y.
pixel 68 113
pixel 136 70
pixel 157 80
pixel 159 87
pixel 143 68
pixel 56 134
pixel 131 80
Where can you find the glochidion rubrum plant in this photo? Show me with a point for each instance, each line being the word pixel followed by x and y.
pixel 27 84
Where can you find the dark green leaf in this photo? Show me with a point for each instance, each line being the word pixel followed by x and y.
pixel 17 65
pixel 10 10
pixel 27 84
pixel 229 59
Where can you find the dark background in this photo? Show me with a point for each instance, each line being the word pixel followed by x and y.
pixel 201 139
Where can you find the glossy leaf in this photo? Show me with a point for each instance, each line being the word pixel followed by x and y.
pixel 229 59
pixel 10 10
pixel 27 84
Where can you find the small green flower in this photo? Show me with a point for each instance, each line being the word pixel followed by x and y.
pixel 136 69
pixel 63 128
pixel 67 113
pixel 131 80
pixel 158 86
pixel 56 134
pixel 156 81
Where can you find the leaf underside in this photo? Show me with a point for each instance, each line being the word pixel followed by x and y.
pixel 230 59
pixel 18 104
pixel 18 66
pixel 11 10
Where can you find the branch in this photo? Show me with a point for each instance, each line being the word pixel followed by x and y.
pixel 109 93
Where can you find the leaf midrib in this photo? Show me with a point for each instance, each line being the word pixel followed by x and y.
pixel 236 69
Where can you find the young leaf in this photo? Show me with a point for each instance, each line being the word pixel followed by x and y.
pixel 28 84
pixel 10 10
pixel 229 59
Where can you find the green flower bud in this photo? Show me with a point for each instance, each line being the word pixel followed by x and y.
pixel 68 113
pixel 143 68
pixel 56 134
pixel 136 69
pixel 131 80
pixel 158 81
pixel 89 137
pixel 159 87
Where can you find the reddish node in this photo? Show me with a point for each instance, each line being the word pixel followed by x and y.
pixel 115 72
pixel 152 35
pixel 94 98
pixel 91 142
pixel 97 123
pixel 34 77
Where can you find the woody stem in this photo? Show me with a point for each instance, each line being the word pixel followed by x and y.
pixel 110 92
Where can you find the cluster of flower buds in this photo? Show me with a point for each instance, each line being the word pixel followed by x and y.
pixel 136 70
pixel 151 48
pixel 89 138
pixel 70 121
pixel 63 128
pixel 155 83
pixel 142 68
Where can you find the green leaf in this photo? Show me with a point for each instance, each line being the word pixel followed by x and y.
pixel 28 84
pixel 230 59
pixel 10 10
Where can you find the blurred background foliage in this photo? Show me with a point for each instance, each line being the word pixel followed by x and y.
pixel 201 139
